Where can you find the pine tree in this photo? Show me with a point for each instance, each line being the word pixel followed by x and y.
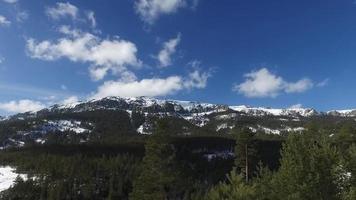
pixel 346 136
pixel 245 152
pixel 234 189
pixel 309 170
pixel 350 178
pixel 156 179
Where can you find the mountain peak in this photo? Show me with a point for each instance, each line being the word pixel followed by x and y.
pixel 168 105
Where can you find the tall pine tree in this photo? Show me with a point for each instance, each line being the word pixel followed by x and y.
pixel 156 179
pixel 245 152
pixel 309 170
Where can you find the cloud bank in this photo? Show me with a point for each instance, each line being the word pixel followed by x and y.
pixel 153 87
pixel 21 106
pixel 263 83
pixel 62 10
pixel 169 48
pixel 4 21
pixel 104 55
pixel 150 10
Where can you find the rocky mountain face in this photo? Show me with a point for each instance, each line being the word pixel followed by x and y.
pixel 342 113
pixel 82 122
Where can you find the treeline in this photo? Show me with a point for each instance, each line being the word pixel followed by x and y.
pixel 312 165
pixel 74 177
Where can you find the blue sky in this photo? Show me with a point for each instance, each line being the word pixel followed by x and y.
pixel 261 53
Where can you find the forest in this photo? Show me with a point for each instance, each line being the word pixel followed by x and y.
pixel 241 165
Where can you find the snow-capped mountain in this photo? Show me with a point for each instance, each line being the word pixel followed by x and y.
pixel 143 104
pixel 343 113
pixel 152 105
pixel 261 111
pixel 2 118
pixel 82 121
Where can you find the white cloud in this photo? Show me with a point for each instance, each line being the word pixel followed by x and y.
pixel 263 83
pixel 4 21
pixel 91 18
pixel 260 84
pixel 103 54
pixel 70 100
pixel 21 106
pixel 66 30
pixel 98 73
pixel 2 59
pixel 150 10
pixel 299 86
pixel 67 10
pixel 197 79
pixel 10 1
pixel 146 87
pixel 169 48
pixel 62 10
pixel 130 87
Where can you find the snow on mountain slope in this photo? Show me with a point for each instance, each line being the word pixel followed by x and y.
pixel 38 131
pixel 199 114
pixel 148 104
pixel 261 111
pixel 8 177
pixel 65 125
pixel 177 107
pixel 343 113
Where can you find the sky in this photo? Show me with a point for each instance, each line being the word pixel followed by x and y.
pixel 280 53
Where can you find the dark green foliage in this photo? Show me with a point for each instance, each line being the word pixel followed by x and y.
pixel 28 190
pixel 245 152
pixel 137 118
pixel 118 164
pixel 157 177
pixel 234 189
pixel 309 170
pixel 76 176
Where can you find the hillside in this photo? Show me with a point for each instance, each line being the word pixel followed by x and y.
pixel 112 117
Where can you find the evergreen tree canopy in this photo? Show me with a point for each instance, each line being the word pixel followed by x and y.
pixel 309 170
pixel 156 179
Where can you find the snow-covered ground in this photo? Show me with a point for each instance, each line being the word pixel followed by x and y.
pixel 261 111
pixel 65 125
pixel 8 177
pixel 276 131
pixel 224 126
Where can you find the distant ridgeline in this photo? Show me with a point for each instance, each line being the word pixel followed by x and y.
pixel 145 148
pixel 109 118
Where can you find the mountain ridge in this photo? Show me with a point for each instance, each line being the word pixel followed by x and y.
pixel 93 120
pixel 191 105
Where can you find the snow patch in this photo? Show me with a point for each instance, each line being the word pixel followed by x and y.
pixel 8 177
pixel 222 155
pixel 262 111
pixel 65 125
pixel 224 126
pixel 143 129
pixel 226 117
pixel 343 113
